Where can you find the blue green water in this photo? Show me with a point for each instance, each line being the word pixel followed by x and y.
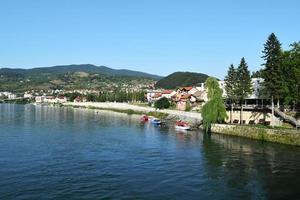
pixel 65 153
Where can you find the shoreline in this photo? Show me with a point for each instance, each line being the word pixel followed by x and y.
pixel 193 118
pixel 282 136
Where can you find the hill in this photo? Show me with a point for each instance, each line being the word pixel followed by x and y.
pixel 88 68
pixel 181 79
pixel 73 77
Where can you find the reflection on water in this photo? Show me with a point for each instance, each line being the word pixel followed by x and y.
pixel 60 152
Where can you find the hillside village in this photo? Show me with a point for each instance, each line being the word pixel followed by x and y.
pixel 185 98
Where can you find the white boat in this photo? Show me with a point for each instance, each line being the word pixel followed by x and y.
pixel 182 125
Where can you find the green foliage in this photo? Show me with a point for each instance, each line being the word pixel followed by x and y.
pixel 180 79
pixel 231 83
pixel 273 61
pixel 71 77
pixel 188 106
pixel 290 72
pixel 214 109
pixel 162 103
pixel 256 74
pixel 72 96
pixel 243 82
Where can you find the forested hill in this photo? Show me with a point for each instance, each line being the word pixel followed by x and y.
pixel 73 77
pixel 88 68
pixel 180 79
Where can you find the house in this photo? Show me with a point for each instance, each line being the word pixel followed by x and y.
pixel 153 95
pixel 49 99
pixel 11 96
pixel 28 95
pixel 182 100
pixel 61 99
pixel 79 99
pixel 157 96
pixel 39 99
pixel 168 93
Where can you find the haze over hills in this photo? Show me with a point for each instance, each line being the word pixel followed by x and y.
pixel 180 79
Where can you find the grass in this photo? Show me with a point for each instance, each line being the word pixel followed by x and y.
pixel 127 111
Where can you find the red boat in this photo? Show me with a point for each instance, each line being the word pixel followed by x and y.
pixel 144 118
pixel 182 125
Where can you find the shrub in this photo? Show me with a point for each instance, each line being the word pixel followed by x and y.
pixel 162 103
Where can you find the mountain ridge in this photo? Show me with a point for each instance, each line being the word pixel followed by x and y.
pixel 89 68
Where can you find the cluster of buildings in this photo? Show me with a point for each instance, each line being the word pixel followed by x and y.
pixel 7 95
pixel 193 97
pixel 50 99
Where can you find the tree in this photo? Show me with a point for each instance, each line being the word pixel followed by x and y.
pixel 162 103
pixel 214 109
pixel 243 84
pixel 291 75
pixel 230 87
pixel 271 72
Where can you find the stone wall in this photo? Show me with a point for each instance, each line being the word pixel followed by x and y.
pixel 284 136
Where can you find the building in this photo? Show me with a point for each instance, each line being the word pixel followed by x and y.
pixel 256 86
pixel 11 96
pixel 168 93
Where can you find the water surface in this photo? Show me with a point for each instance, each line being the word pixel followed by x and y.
pixel 65 153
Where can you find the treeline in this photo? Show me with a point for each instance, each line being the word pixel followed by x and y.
pixel 281 74
pixel 117 96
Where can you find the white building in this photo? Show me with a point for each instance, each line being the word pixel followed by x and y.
pixel 168 93
pixel 256 86
pixel 11 96
pixel 28 95
pixel 40 99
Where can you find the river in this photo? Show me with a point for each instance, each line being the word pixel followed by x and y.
pixel 74 153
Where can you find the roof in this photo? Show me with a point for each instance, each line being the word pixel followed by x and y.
pixel 187 88
pixel 157 95
pixel 167 91
pixel 185 96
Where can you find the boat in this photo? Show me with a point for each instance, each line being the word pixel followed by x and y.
pixel 144 118
pixel 156 121
pixel 182 125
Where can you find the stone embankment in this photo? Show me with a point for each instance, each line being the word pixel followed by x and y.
pixel 283 136
pixel 192 117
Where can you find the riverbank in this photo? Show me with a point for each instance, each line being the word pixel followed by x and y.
pixel 283 136
pixel 194 118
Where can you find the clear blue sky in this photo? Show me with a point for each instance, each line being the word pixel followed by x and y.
pixel 156 36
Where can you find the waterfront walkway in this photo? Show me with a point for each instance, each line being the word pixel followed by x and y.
pixel 125 106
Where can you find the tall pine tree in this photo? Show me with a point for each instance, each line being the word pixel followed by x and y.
pixel 243 85
pixel 230 87
pixel 272 66
pixel 272 70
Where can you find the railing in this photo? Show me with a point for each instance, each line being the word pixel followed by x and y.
pixel 287 118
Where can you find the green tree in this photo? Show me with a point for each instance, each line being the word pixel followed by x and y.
pixel 162 103
pixel 272 69
pixel 291 75
pixel 243 84
pixel 230 87
pixel 214 109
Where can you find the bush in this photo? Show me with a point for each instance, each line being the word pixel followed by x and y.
pixel 162 103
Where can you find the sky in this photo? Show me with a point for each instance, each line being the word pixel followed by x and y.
pixel 154 36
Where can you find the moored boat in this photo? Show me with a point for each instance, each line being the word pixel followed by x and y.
pixel 144 118
pixel 156 121
pixel 182 125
